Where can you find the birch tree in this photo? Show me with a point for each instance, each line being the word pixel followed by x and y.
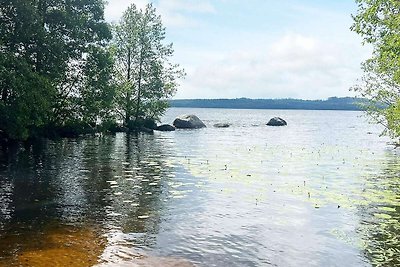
pixel 144 75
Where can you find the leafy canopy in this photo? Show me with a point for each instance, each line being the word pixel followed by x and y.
pixel 46 47
pixel 144 75
pixel 378 22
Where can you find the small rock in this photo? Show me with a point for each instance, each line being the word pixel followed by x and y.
pixel 222 125
pixel 165 128
pixel 145 130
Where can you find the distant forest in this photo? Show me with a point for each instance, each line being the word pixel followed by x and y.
pixel 332 103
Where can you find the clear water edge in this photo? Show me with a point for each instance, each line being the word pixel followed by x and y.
pixel 321 192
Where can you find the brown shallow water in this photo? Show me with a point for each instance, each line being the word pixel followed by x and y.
pixel 51 246
pixel 320 192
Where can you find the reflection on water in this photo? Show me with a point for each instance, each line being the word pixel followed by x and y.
pixel 380 216
pixel 110 185
pixel 316 193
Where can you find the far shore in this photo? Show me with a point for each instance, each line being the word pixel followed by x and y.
pixel 332 103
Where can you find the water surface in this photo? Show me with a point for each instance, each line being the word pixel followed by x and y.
pixel 323 191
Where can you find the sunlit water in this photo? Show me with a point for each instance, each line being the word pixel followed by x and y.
pixel 323 191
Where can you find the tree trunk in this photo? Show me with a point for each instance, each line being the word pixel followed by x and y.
pixel 128 93
pixel 42 9
pixel 138 100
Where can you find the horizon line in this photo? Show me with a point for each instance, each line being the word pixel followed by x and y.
pixel 287 98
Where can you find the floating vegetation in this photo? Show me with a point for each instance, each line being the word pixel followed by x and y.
pixel 382 216
pixel 324 177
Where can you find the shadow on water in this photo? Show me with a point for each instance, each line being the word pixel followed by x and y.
pixel 83 201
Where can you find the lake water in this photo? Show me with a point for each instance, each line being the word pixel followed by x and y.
pixel 323 191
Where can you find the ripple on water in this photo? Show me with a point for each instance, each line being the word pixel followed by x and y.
pixel 313 193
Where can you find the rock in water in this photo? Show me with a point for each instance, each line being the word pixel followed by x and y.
pixel 145 130
pixel 188 122
pixel 222 125
pixel 165 128
pixel 277 122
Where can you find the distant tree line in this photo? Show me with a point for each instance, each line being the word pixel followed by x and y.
pixel 65 71
pixel 333 103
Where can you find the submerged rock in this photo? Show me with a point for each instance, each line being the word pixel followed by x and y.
pixel 144 130
pixel 188 122
pixel 222 125
pixel 165 128
pixel 277 122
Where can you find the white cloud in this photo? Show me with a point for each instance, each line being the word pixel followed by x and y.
pixel 114 8
pixel 178 13
pixel 292 66
pixel 195 6
pixel 174 13
pixel 294 49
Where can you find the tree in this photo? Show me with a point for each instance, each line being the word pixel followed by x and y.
pixel 98 91
pixel 25 99
pixel 47 45
pixel 378 22
pixel 144 75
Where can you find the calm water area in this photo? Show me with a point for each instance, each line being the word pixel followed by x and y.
pixel 323 191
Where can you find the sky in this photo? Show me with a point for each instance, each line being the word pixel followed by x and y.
pixel 260 48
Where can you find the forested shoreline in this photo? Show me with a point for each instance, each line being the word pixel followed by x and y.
pixel 65 71
pixel 332 103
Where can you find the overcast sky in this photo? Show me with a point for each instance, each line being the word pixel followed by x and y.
pixel 260 48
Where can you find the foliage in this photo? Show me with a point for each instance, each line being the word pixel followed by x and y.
pixel 98 92
pixel 48 48
pixel 59 74
pixel 378 22
pixel 22 109
pixel 144 75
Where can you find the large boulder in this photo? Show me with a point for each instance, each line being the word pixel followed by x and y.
pixel 277 122
pixel 165 128
pixel 188 122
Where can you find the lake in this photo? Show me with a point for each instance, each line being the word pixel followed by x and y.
pixel 323 191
